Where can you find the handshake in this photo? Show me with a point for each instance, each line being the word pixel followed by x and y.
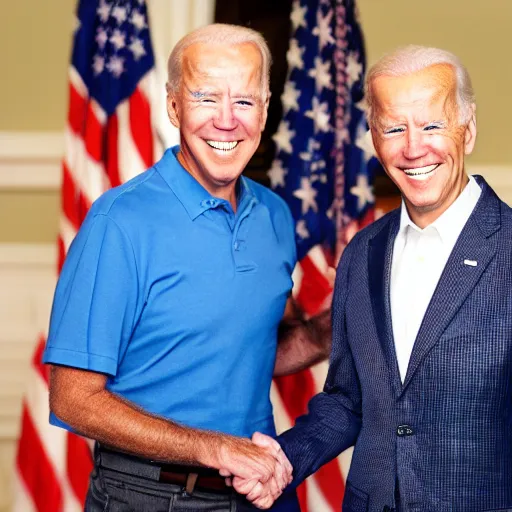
pixel 256 468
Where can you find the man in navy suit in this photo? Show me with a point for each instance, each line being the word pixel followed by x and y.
pixel 420 377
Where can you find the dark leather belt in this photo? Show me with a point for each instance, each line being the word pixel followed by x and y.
pixel 193 478
pixel 188 477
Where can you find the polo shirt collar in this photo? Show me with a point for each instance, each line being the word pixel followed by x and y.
pixel 192 195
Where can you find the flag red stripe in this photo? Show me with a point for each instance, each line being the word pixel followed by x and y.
pixel 93 135
pixel 302 494
pixel 61 253
pixel 37 361
pixel 140 125
pixel 295 391
pixel 74 205
pixel 288 385
pixel 77 110
pixel 298 389
pixel 314 287
pixel 79 463
pixel 330 481
pixel 32 463
pixel 111 157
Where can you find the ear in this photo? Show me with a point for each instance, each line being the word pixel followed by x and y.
pixel 470 133
pixel 264 114
pixel 172 110
pixel 371 140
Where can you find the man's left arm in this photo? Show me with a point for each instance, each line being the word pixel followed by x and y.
pixel 301 343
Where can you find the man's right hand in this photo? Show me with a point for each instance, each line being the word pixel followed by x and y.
pixel 263 493
pixel 241 457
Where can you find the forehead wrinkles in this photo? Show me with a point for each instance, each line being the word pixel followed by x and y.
pixel 425 94
pixel 237 67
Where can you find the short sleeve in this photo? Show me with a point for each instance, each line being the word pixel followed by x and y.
pixel 95 302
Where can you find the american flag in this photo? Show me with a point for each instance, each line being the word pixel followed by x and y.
pixel 324 170
pixel 109 139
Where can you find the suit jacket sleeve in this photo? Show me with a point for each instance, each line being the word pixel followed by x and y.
pixel 334 416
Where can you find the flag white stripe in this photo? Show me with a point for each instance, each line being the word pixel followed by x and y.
pixel 281 418
pixel 23 501
pixel 67 232
pixel 76 81
pixel 130 161
pixel 89 176
pixel 316 500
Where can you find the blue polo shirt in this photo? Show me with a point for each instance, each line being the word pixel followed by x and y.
pixel 178 299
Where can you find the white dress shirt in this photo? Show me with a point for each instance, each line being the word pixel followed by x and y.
pixel 419 257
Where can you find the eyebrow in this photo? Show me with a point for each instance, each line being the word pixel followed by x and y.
pixel 440 122
pixel 202 94
pixel 386 125
pixel 245 97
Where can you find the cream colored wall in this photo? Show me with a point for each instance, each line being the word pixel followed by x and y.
pixel 35 43
pixel 478 32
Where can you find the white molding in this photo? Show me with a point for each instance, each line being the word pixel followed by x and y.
pixel 28 274
pixel 31 160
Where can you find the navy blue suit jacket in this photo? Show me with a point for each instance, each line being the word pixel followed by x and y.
pixel 444 436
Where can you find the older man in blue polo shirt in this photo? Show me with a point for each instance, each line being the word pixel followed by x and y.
pixel 164 325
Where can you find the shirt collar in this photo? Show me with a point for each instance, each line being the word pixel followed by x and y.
pixel 192 195
pixel 449 225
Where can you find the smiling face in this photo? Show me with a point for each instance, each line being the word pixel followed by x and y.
pixel 419 139
pixel 220 110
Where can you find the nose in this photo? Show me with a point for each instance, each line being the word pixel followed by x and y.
pixel 225 117
pixel 415 147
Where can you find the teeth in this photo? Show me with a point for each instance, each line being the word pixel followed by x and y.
pixel 420 172
pixel 224 146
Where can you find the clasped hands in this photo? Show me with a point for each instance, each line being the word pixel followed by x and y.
pixel 256 468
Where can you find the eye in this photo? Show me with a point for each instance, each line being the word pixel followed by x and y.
pixel 390 131
pixel 244 103
pixel 431 127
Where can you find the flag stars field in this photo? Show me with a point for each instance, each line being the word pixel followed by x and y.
pixel 321 74
pixel 290 97
pixel 298 15
pixel 277 174
pixel 363 191
pixel 354 69
pixel 294 55
pixel 283 137
pixel 306 193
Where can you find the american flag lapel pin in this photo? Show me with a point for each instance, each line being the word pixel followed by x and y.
pixel 471 263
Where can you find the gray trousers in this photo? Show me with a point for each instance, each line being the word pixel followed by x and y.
pixel 124 485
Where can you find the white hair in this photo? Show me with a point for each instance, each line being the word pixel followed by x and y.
pixel 218 34
pixel 413 58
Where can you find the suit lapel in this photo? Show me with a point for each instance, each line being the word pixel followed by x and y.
pixel 458 278
pixel 380 253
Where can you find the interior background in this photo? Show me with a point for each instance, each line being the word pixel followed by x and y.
pixel 35 39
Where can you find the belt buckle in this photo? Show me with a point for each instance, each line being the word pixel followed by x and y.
pixel 190 484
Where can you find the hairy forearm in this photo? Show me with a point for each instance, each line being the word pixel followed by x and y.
pixel 302 343
pixel 105 417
